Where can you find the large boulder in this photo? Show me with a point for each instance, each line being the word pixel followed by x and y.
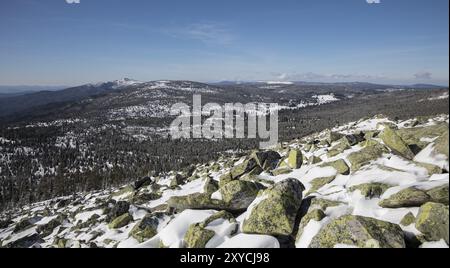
pixel 146 181
pixel 436 153
pixel 408 219
pixel 314 160
pixel 146 228
pixel 210 186
pixel 225 178
pixel 318 183
pixel 23 225
pixel 177 180
pixel 246 167
pixel 439 194
pixel 409 197
pixel 46 229
pixel 121 221
pixel 331 136
pixel 396 143
pixel 340 166
pixel 239 194
pixel 280 171
pixel 365 155
pixel 441 145
pixel 144 197
pixel 198 235
pixel 117 210
pixel 293 160
pixel 323 204
pixel 28 241
pixel 371 190
pixel 359 231
pixel 433 221
pixel 354 139
pixel 340 147
pixel 432 169
pixel 196 201
pixel 267 160
pixel 315 214
pixel 421 136
pixel 275 210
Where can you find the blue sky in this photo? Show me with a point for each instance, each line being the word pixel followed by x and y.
pixel 51 42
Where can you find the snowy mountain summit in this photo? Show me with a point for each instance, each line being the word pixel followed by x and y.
pixel 374 183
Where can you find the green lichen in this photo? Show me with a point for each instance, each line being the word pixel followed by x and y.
pixel 315 214
pixel 318 183
pixel 225 178
pixel 371 190
pixel 145 228
pixel 281 171
pixel 323 204
pixel 439 194
pixel 433 221
pixel 408 219
pixel 431 169
pixel 396 143
pixel 210 186
pixel 197 236
pixel 441 145
pixel 415 135
pixel 340 166
pixel 295 159
pixel 196 201
pixel 359 231
pixel 120 221
pixel 366 155
pixel 239 194
pixel 275 214
pixel 409 197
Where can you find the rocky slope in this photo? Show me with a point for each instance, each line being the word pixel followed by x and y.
pixel 371 183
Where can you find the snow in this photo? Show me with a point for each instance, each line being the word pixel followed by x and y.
pixel 323 99
pixel 437 244
pixel 279 83
pixel 428 155
pixel 224 229
pixel 311 229
pixel 186 189
pixel 84 216
pixel 216 195
pixel 26 233
pixel 173 234
pixel 441 97
pixel 251 241
pixel 389 169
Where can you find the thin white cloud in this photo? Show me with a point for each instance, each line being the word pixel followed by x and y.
pixel 310 76
pixel 373 1
pixel 423 75
pixel 209 33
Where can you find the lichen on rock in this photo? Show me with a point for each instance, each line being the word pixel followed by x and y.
pixel 359 231
pixel 433 221
pixel 409 197
pixel 276 213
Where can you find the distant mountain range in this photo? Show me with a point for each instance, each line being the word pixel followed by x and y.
pixel 14 90
pixel 26 99
pixel 351 84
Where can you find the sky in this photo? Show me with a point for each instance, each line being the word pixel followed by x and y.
pixel 57 42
